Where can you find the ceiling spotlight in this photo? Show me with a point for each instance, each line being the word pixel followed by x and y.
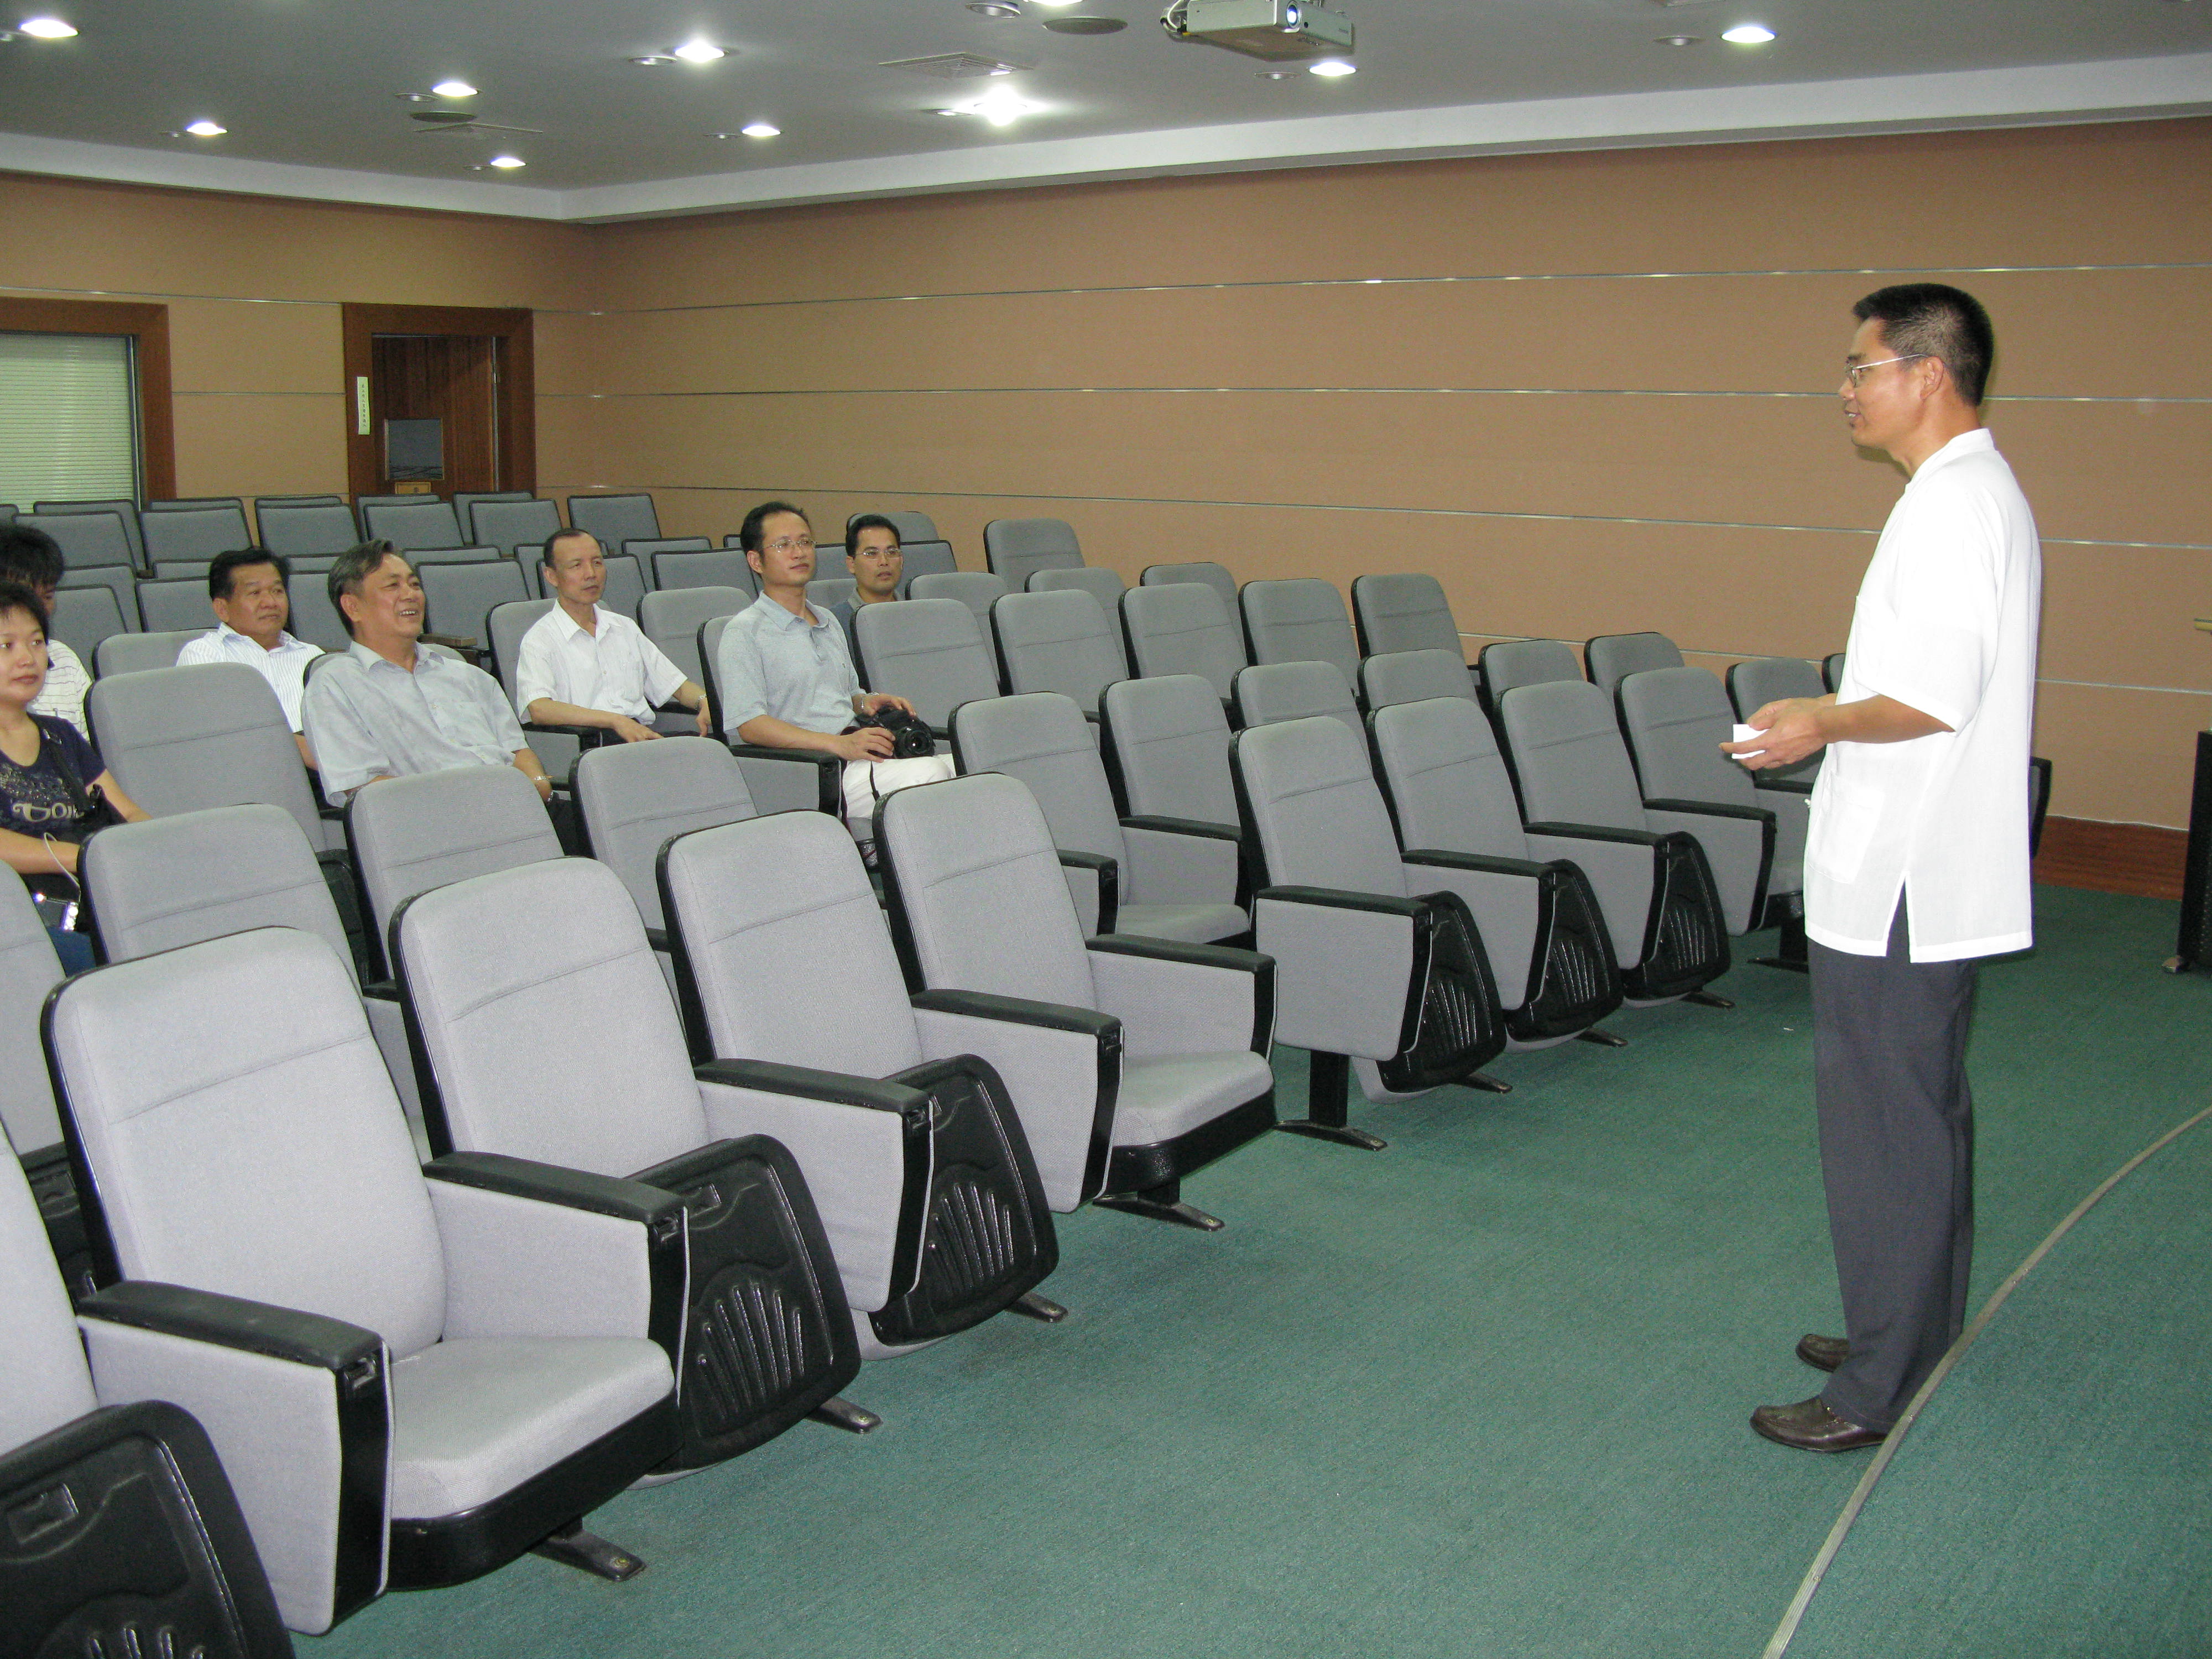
pixel 204 129
pixel 454 89
pixel 47 28
pixel 1274 74
pixel 1678 41
pixel 699 51
pixel 507 163
pixel 1747 34
pixel 1332 67
pixel 761 129
pixel 995 7
pixel 1000 106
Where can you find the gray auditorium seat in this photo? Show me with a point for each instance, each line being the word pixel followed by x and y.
pixel 362 503
pixel 716 567
pixel 260 502
pixel 1156 877
pixel 1165 742
pixel 634 796
pixel 1267 694
pixel 824 592
pixel 127 653
pixel 97 541
pixel 1057 642
pixel 171 569
pixel 191 504
pixel 465 502
pixel 197 534
pixel 308 529
pixel 85 615
pixel 507 524
pixel 1675 720
pixel 1156 1062
pixel 495 968
pixel 314 618
pixel 1379 968
pixel 625 585
pixel 979 590
pixel 126 1536
pixel 1183 628
pixel 649 552
pixel 1403 612
pixel 671 619
pixel 1299 620
pixel 1757 681
pixel 1215 576
pixel 180 602
pixel 1506 664
pixel 1014 547
pixel 1396 677
pixel 1611 658
pixel 778 780
pixel 615 518
pixel 1101 584
pixel 121 580
pixel 925 558
pixel 427 523
pixel 929 652
pixel 439 1397
pixel 28 971
pixel 911 526
pixel 1579 797
pixel 459 598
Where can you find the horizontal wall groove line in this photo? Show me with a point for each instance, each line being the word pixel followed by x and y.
pixel 1299 391
pixel 162 294
pixel 197 391
pixel 1397 282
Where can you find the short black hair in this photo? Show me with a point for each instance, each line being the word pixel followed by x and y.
pixel 545 553
pixel 22 596
pixel 1931 320
pixel 861 522
pixel 749 532
pixel 352 568
pixel 31 556
pixel 223 569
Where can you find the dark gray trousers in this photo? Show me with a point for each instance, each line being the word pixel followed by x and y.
pixel 1896 1155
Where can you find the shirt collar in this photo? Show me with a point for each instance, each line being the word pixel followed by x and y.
pixel 1980 440
pixel 789 619
pixel 284 641
pixel 370 660
pixel 570 626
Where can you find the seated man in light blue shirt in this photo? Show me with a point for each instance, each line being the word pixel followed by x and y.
pixel 388 709
pixel 251 603
pixel 787 676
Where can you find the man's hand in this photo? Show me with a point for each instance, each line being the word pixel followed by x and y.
pixel 705 722
pixel 876 701
pixel 629 731
pixel 870 742
pixel 1788 731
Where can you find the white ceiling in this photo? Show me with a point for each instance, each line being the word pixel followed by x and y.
pixel 308 89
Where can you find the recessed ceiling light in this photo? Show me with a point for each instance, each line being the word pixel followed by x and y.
pixel 1055 4
pixel 995 7
pixel 454 89
pixel 1747 34
pixel 507 163
pixel 1274 74
pixel 699 51
pixel 1000 106
pixel 47 28
pixel 1678 39
pixel 1332 67
pixel 761 129
pixel 1086 24
pixel 206 129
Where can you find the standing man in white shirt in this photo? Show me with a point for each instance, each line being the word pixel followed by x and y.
pixel 581 664
pixel 1917 862
pixel 253 603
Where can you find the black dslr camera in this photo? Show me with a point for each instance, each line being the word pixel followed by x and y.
pixel 911 736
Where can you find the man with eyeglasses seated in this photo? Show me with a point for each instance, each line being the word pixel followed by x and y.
pixel 786 674
pixel 874 555
pixel 582 664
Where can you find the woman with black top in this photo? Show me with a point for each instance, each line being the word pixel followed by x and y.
pixel 54 788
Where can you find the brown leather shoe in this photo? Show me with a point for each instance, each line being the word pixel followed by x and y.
pixel 1809 1425
pixel 1823 1353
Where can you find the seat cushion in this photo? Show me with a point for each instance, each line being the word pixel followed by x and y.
pixel 1191 924
pixel 1169 1096
pixel 473 1419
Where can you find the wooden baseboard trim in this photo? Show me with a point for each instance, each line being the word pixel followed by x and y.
pixel 2142 859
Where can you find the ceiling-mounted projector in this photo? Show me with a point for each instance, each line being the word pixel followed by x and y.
pixel 1274 30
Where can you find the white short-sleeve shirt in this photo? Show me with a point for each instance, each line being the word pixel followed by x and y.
pixel 1946 623
pixel 614 667
pixel 285 668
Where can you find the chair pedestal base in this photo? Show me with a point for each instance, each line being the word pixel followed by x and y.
pixel 1709 999
pixel 1030 1305
pixel 587 1552
pixel 1603 1039
pixel 1161 1203
pixel 1790 954
pixel 840 1412
pixel 1329 1084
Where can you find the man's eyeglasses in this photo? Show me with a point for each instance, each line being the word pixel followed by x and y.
pixel 1855 373
pixel 792 544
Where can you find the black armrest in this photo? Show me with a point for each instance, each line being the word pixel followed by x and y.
pixel 1339 898
pixel 806 1083
pixel 383 990
pixel 1197 956
pixel 1595 832
pixel 1482 862
pixel 1711 809
pixel 1185 827
pixel 348 1350
pixel 828 795
pixel 1019 1011
pixel 1783 786
pixel 1109 872
pixel 549 1183
pixel 586 737
pixel 658 938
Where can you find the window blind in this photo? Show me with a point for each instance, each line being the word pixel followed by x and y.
pixel 69 425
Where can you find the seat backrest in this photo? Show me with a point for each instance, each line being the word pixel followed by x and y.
pixel 973 884
pixel 715 566
pixel 1676 720
pixel 1169 739
pixel 190 504
pixel 1757 681
pixel 1567 754
pixel 1443 779
pixel 165 606
pixel 497 969
pixel 465 502
pixel 911 526
pixel 616 519
pixel 411 525
pixel 507 524
pixel 1015 547
pixel 1413 677
pixel 1299 620
pixel 83 616
pixel 1042 739
pixel 43 1381
pixel 258 1157
pixel 670 620
pixel 197 533
pixel 314 618
pixel 1611 658
pixel 260 502
pixel 504 624
pixel 169 569
pixel 182 739
pixel 1214 575
pixel 410 835
pixel 979 590
pixel 176 881
pixel 128 654
pixel 1270 693
pixel 1510 663
pixel 308 529
pixel 1101 584
pixel 647 551
pixel 927 651
pixel 824 592
pixel 1183 628
pixel 1057 642
pixel 107 534
pixel 1311 804
pixel 1403 612
pixel 789 889
pixel 460 596
pixel 28 970
pixel 634 796
pixel 925 558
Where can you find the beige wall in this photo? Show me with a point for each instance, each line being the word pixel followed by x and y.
pixel 1592 393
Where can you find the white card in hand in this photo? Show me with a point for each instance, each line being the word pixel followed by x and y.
pixel 1745 734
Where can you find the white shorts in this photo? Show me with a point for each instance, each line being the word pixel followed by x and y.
pixel 868 781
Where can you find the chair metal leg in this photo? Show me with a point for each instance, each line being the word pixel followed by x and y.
pixel 1791 953
pixel 1603 1039
pixel 1330 1084
pixel 1030 1305
pixel 1709 999
pixel 1487 1083
pixel 1161 1203
pixel 572 1547
pixel 840 1412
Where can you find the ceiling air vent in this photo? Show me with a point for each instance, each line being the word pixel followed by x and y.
pixel 954 66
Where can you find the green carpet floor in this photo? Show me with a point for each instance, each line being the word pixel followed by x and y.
pixel 1483 1392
